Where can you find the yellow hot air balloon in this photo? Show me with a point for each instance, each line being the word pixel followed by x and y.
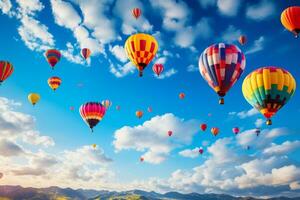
pixel 141 49
pixel 33 98
pixel 94 146
pixel 268 89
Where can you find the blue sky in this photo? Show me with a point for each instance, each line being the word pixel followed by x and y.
pixel 49 138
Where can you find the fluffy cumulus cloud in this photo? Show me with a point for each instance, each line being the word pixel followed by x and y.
pixel 152 139
pixel 229 7
pixel 190 153
pixel 262 10
pixel 5 6
pixel 231 34
pixel 119 70
pixel 257 46
pixel 245 113
pixel 229 169
pixel 119 52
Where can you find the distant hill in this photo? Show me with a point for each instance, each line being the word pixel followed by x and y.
pixel 56 193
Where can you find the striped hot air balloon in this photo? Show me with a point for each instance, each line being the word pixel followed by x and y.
pixel 92 113
pixel 106 103
pixel 268 89
pixel 141 49
pixel 136 12
pixel 290 19
pixel 6 69
pixel 215 131
pixel 221 65
pixel 242 39
pixel 53 57
pixel 54 82
pixel 85 53
pixel 158 68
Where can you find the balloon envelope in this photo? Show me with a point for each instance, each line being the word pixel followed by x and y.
pixel 136 12
pixel 85 53
pixel 54 82
pixel 158 68
pixel 290 19
pixel 53 57
pixel 203 127
pixel 6 69
pixel 92 113
pixel 215 131
pixel 33 98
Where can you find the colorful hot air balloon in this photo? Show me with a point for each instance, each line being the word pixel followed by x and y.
pixel 6 69
pixel 141 49
pixel 136 12
pixel 170 133
pixel 215 131
pixel 139 114
pixel 94 146
pixel 268 89
pixel 33 98
pixel 235 130
pixel 106 104
pixel 149 109
pixel 53 57
pixel 290 19
pixel 141 159
pixel 181 95
pixel 92 113
pixel 118 107
pixel 54 82
pixel 242 39
pixel 158 68
pixel 221 65
pixel 85 53
pixel 203 127
pixel 201 151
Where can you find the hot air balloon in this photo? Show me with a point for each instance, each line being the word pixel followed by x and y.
pixel 242 39
pixel 106 104
pixel 54 82
pixel 139 114
pixel 215 131
pixel 53 57
pixel 136 12
pixel 1 175
pixel 201 151
pixel 33 98
pixel 94 146
pixel 268 89
pixel 141 159
pixel 158 68
pixel 85 53
pixel 181 95
pixel 235 130
pixel 221 65
pixel 72 108
pixel 290 19
pixel 203 127
pixel 92 113
pixel 257 131
pixel 149 109
pixel 170 133
pixel 6 69
pixel 141 49
pixel 118 107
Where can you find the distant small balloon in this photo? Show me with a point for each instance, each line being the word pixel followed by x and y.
pixel 203 127
pixel 215 131
pixel 201 151
pixel 141 159
pixel 72 108
pixel 94 146
pixel 181 95
pixel 149 109
pixel 235 130
pixel 139 114
pixel 170 133
pixel 118 107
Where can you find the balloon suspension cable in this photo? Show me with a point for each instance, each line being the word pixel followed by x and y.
pixel 269 122
pixel 221 101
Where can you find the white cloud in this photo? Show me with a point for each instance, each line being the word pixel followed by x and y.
pixel 257 46
pixel 263 10
pixel 119 52
pixel 167 74
pixel 192 68
pixel 259 122
pixel 5 6
pixel 9 148
pixel 207 3
pixel 231 34
pixel 229 7
pixel 152 136
pixel 29 7
pixel 244 114
pixel 121 70
pixel 190 153
pixel 70 55
pixel 35 35
pixel 282 149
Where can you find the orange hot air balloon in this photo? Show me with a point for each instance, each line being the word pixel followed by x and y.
pixel 290 19
pixel 136 12
pixel 215 131
pixel 142 159
pixel 139 114
pixel 181 95
pixel 141 49
pixel 203 127
pixel 85 53
pixel 170 133
pixel 54 82
pixel 242 39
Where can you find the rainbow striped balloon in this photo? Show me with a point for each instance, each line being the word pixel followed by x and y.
pixel 92 113
pixel 6 69
pixel 268 89
pixel 53 57
pixel 54 82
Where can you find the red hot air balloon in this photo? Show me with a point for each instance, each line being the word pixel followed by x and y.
pixel 242 39
pixel 201 151
pixel 136 12
pixel 215 131
pixel 92 113
pixel 158 68
pixel 181 95
pixel 170 133
pixel 6 69
pixel 85 53
pixel 53 57
pixel 141 159
pixel 290 19
pixel 72 108
pixel 203 127
pixel 235 130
